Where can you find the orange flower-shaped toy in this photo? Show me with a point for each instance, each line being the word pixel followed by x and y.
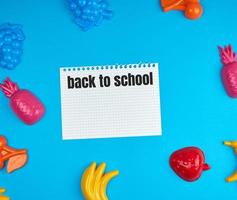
pixel 15 158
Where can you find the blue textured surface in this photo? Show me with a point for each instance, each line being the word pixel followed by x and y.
pixel 89 13
pixel 195 108
pixel 11 45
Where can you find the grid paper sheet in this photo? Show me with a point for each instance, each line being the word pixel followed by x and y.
pixel 114 111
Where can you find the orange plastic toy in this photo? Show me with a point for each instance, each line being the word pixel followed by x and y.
pixel 192 8
pixel 16 158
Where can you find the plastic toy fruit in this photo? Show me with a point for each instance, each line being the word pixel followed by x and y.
pixel 229 70
pixel 192 8
pixel 16 158
pixel 2 196
pixel 26 105
pixel 89 13
pixel 94 182
pixel 232 144
pixel 188 163
pixel 11 45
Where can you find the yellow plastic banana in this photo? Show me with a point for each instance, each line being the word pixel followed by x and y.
pixel 2 197
pixel 94 182
pixel 86 182
pixel 98 176
pixel 232 178
pixel 104 182
pixel 232 144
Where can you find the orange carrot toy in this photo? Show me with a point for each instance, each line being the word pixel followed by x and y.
pixel 16 158
pixel 192 8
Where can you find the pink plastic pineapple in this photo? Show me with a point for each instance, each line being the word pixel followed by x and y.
pixel 26 105
pixel 229 70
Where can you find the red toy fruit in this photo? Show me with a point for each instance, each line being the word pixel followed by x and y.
pixel 192 8
pixel 229 70
pixel 188 163
pixel 193 11
pixel 26 105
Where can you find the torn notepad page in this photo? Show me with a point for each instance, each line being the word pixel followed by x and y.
pixel 110 101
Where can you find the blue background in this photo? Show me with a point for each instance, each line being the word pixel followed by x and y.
pixel 195 108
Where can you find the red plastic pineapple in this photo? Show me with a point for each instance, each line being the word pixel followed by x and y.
pixel 26 105
pixel 229 70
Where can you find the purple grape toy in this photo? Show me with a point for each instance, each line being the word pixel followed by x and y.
pixel 11 45
pixel 89 13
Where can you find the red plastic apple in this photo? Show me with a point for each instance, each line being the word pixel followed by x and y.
pixel 188 163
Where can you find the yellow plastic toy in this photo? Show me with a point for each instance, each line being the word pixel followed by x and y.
pixel 232 144
pixel 94 182
pixel 2 197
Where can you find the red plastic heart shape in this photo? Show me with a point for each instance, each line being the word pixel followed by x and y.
pixel 188 163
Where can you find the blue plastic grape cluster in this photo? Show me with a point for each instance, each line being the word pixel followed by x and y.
pixel 11 45
pixel 89 13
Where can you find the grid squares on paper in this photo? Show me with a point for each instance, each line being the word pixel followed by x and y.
pixel 112 111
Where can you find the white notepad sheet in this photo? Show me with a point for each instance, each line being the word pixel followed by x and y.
pixel 123 105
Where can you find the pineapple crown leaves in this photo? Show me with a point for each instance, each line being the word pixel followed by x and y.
pixel 9 88
pixel 227 54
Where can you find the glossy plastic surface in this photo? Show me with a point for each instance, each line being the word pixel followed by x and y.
pixel 188 163
pixel 94 182
pixel 229 70
pixel 232 144
pixel 2 196
pixel 11 45
pixel 192 8
pixel 89 13
pixel 15 158
pixel 25 104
